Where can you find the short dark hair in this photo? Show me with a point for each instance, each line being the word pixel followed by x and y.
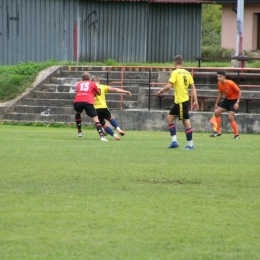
pixel 94 79
pixel 178 60
pixel 85 76
pixel 221 72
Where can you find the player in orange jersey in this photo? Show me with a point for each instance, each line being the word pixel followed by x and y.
pixel 230 103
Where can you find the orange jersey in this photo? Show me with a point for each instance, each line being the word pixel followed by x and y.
pixel 229 88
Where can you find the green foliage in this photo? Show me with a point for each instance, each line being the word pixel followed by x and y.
pixel 52 124
pixel 64 197
pixel 110 62
pixel 211 25
pixel 215 51
pixel 14 80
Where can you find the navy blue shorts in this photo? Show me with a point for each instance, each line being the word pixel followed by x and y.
pixel 180 110
pixel 89 108
pixel 228 104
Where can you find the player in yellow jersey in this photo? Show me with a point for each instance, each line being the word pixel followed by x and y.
pixel 180 79
pixel 103 112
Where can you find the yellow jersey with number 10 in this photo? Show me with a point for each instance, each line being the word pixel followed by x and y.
pixel 100 101
pixel 181 80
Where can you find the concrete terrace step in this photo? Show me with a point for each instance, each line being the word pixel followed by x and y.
pixel 47 102
pixel 69 110
pixel 58 88
pixel 37 107
pixel 70 96
pixel 132 75
pixel 53 95
pixel 43 118
pixel 74 81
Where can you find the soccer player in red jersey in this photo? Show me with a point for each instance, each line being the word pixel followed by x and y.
pixel 84 100
pixel 230 103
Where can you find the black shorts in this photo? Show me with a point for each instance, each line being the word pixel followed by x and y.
pixel 228 104
pixel 89 108
pixel 181 110
pixel 103 113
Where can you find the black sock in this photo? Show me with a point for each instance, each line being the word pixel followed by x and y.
pixel 99 129
pixel 78 121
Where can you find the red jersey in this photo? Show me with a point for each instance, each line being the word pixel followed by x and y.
pixel 85 91
pixel 229 88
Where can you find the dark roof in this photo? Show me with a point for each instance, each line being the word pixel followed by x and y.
pixel 235 1
pixel 187 1
pixel 164 1
pixel 179 1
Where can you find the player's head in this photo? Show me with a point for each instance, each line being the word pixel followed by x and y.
pixel 85 76
pixel 178 60
pixel 95 79
pixel 221 75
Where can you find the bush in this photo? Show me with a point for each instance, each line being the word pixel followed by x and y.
pixel 110 62
pixel 213 51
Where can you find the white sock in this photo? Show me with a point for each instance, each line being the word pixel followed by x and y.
pixel 190 143
pixel 174 138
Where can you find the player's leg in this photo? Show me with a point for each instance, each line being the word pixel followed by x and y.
pixel 103 113
pixel 101 119
pixel 171 126
pixel 110 132
pixel 185 117
pixel 218 112
pixel 91 112
pixel 78 109
pixel 113 122
pixel 233 123
pixel 188 132
pixel 231 117
pixel 99 128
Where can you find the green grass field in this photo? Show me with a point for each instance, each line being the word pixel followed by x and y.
pixel 64 197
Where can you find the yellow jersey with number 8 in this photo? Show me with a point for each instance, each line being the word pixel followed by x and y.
pixel 181 80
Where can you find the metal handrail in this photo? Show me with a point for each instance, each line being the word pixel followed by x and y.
pixel 150 69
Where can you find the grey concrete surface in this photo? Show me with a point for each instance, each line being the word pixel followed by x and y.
pixel 155 120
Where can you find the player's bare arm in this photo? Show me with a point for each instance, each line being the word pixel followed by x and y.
pixel 97 93
pixel 236 106
pixel 195 104
pixel 166 88
pixel 117 90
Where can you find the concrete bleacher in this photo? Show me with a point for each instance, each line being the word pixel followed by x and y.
pixel 51 99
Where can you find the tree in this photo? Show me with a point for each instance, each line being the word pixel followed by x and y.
pixel 211 25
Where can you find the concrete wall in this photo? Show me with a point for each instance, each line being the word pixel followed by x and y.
pixel 155 120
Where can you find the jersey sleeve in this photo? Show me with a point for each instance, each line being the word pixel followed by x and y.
pixel 235 86
pixel 191 80
pixel 172 78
